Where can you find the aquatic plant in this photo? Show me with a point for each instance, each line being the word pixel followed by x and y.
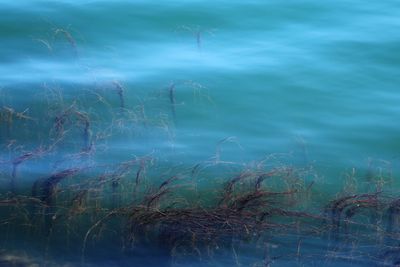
pixel 146 201
pixel 120 92
pixel 16 162
pixel 171 94
pixel 8 115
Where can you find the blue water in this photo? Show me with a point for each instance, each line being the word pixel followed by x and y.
pixel 227 84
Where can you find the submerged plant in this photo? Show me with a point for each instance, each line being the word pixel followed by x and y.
pixel 172 101
pixel 16 162
pixel 146 201
pixel 344 208
pixel 8 115
pixel 120 92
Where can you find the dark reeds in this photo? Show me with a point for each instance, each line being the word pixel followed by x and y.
pixel 8 115
pixel 247 209
pixel 61 119
pixel 86 136
pixel 17 161
pixel 69 115
pixel 120 92
pixel 172 101
pixel 393 214
pixel 46 191
pixel 344 208
pixel 46 188
pixel 240 214
pixel 121 204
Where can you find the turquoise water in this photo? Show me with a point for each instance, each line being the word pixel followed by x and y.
pixel 221 83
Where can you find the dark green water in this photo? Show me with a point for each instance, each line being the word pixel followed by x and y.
pixel 225 84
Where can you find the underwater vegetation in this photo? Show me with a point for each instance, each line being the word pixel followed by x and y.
pixel 66 196
pixel 91 175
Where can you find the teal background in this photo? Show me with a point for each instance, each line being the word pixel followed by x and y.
pixel 277 76
pixel 312 82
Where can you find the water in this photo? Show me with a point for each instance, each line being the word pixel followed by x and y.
pixel 223 84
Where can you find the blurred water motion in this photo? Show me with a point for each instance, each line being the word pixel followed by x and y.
pixel 112 107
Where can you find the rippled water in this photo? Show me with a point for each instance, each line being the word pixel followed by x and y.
pixel 315 83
